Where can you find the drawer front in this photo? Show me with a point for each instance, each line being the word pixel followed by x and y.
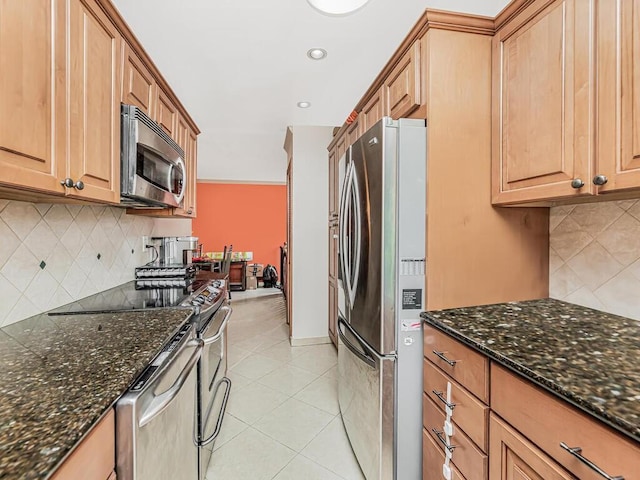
pixel 547 421
pixel 471 414
pixel 468 367
pixel 433 459
pixel 94 457
pixel 471 462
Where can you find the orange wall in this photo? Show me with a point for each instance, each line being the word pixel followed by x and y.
pixel 249 217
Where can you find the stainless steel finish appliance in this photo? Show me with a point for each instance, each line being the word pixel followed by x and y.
pixel 176 249
pixel 380 295
pixel 152 163
pixel 156 418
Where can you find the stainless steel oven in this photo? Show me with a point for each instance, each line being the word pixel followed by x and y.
pixel 152 163
pixel 213 385
pixel 156 418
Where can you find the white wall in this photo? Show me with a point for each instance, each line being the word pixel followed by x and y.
pixel 595 256
pixel 49 253
pixel 310 235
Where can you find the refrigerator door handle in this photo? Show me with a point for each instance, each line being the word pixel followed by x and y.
pixel 360 353
pixel 357 234
pixel 345 253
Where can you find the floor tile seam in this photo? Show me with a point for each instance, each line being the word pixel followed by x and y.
pixel 326 411
pixel 324 466
pixel 272 410
pixel 291 395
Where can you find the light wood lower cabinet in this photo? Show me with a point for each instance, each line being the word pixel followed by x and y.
pixel 94 457
pixel 433 459
pixel 513 457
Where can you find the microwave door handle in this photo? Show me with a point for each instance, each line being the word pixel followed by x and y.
pixel 223 326
pixel 162 401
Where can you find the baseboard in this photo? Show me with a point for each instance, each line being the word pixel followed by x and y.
pixel 304 342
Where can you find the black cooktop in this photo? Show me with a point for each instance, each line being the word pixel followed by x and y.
pixel 127 297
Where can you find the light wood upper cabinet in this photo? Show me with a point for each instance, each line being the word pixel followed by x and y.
pixel 543 111
pixel 167 114
pixel 618 94
pixel 189 142
pixel 353 132
pixel 402 86
pixel 138 87
pixel 373 111
pixel 333 184
pixel 94 86
pixel 32 94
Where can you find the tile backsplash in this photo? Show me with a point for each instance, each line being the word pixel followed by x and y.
pixel 594 257
pixel 51 255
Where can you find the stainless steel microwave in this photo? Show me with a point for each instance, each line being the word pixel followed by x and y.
pixel 153 173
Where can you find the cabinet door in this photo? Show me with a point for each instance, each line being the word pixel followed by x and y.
pixel 353 132
pixel 138 83
pixel 333 185
pixel 94 85
pixel 513 457
pixel 619 93
pixel 543 112
pixel 32 93
pixel 167 114
pixel 372 111
pixel 402 86
pixel 191 162
pixel 333 251
pixel 333 311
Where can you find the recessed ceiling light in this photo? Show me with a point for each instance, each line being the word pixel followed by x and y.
pixel 304 104
pixel 337 7
pixel 317 53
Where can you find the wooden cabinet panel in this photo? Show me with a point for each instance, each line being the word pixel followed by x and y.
pixel 341 147
pixel 469 459
pixel 138 84
pixel 433 459
pixel 333 311
pixel 469 412
pixel 548 421
pixel 619 94
pixel 402 86
pixel 353 132
pixel 513 457
pixel 333 185
pixel 543 109
pixel 94 84
pixel 469 368
pixel 167 114
pixel 94 458
pixel 373 111
pixel 189 143
pixel 32 93
pixel 333 252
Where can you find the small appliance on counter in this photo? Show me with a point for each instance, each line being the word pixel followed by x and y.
pixel 173 265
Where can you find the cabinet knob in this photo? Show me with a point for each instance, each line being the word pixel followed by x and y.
pixel 577 183
pixel 600 180
pixel 79 185
pixel 67 182
pixel 190 211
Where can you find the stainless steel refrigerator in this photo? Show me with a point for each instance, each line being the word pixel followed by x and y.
pixel 381 292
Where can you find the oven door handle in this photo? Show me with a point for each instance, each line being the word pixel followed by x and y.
pixel 162 401
pixel 223 326
pixel 223 409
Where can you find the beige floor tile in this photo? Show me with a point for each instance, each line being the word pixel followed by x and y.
pixel 332 372
pixel 282 351
pixel 253 402
pixel 315 361
pixel 288 379
pixel 331 449
pixel 294 423
pixel 255 366
pixel 322 394
pixel 237 381
pixel 249 456
pixel 301 468
pixel 235 354
pixel 231 427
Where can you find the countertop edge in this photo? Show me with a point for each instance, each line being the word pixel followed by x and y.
pixel 526 373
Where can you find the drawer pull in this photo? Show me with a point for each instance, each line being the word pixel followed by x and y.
pixel 441 356
pixel 577 451
pixel 440 436
pixel 443 400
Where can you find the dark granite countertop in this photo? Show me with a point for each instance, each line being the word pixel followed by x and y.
pixel 60 374
pixel 588 357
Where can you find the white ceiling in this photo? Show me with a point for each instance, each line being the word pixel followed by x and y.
pixel 240 67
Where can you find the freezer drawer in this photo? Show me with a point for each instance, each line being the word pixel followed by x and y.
pixel 366 398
